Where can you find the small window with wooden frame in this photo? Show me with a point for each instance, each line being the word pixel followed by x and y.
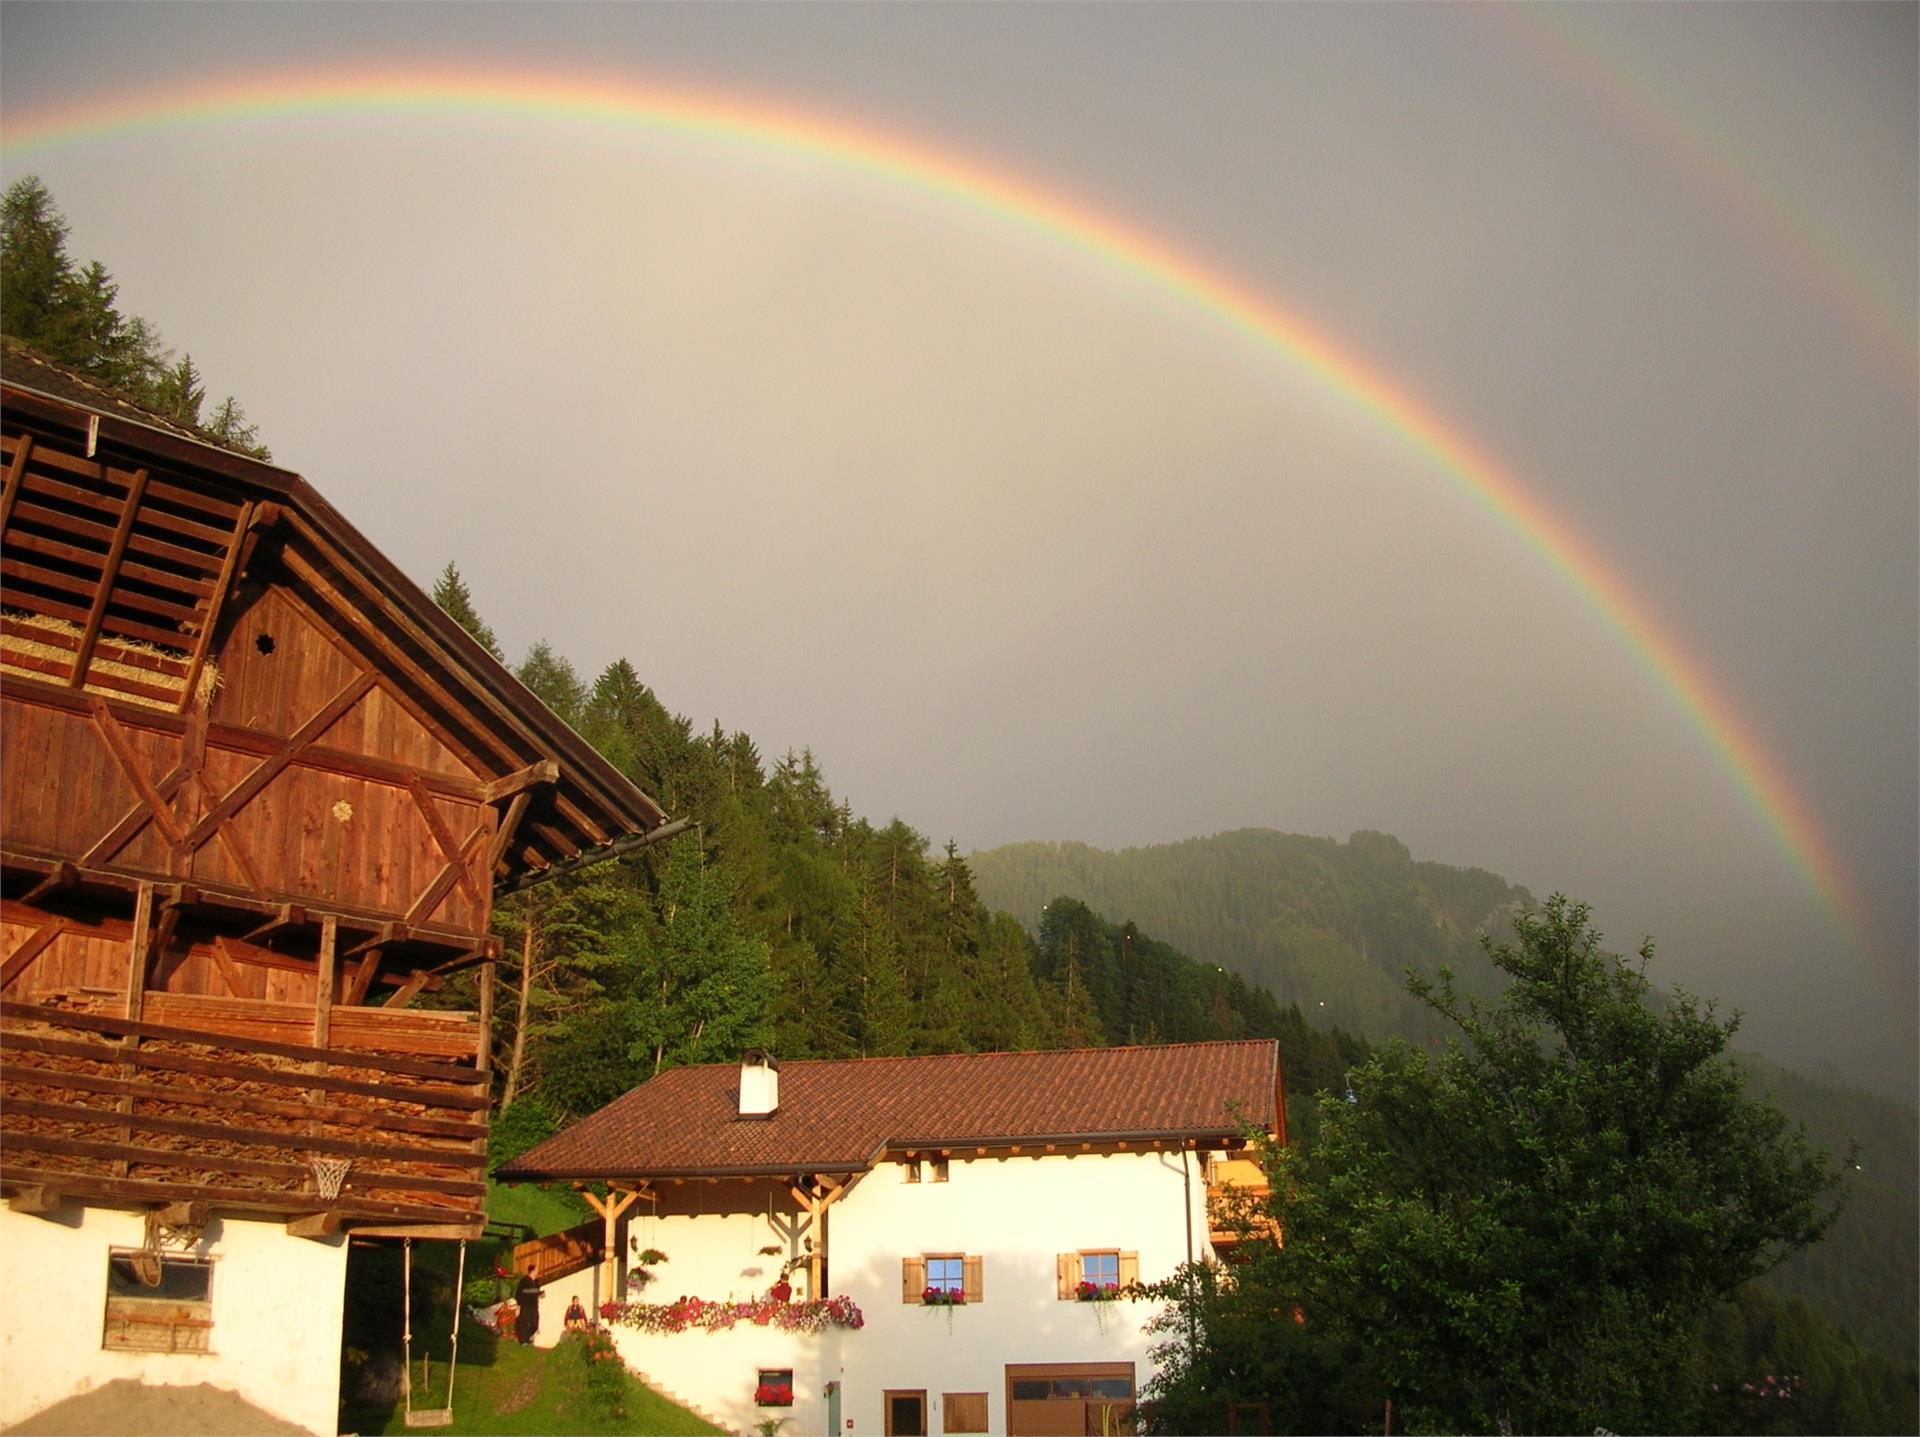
pixel 942 1279
pixel 1095 1274
pixel 963 1411
pixel 157 1303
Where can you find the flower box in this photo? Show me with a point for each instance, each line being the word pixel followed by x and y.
pixel 943 1297
pixel 1097 1292
pixel 773 1394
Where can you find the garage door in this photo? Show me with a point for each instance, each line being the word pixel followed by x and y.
pixel 1067 1399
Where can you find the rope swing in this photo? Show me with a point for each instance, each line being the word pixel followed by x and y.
pixel 430 1416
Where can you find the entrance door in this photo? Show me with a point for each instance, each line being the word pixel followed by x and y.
pixel 906 1414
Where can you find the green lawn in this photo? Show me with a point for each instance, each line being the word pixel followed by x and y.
pixel 502 1387
pixel 545 1210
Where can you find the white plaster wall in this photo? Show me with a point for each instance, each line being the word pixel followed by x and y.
pixel 277 1304
pixel 715 1371
pixel 1017 1214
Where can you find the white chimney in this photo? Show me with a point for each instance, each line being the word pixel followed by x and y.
pixel 759 1084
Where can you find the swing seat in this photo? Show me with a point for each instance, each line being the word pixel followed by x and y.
pixel 435 1417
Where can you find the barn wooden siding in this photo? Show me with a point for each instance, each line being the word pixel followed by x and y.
pixel 256 796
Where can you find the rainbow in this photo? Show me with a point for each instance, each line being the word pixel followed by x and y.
pixel 997 192
pixel 1559 40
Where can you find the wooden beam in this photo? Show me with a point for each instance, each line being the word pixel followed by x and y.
pixel 229 974
pixel 269 768
pixel 16 473
pixel 386 934
pixel 144 1191
pixel 468 1101
pixel 455 871
pixel 138 949
pixel 323 994
pixel 509 824
pixel 36 943
pixel 183 1214
pixel 36 1200
pixel 291 915
pixel 72 1116
pixel 363 977
pixel 409 989
pixel 534 774
pixel 317 1225
pixel 486 1015
pixel 222 586
pixel 63 876
pixel 136 818
pixel 105 1023
pixel 116 741
pixel 444 1231
pixel 109 576
pixel 456 854
pixel 183 1095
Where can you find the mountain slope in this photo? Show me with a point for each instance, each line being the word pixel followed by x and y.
pixel 1331 926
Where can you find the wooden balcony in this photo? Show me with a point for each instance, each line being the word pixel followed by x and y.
pixel 204 1100
pixel 1233 1184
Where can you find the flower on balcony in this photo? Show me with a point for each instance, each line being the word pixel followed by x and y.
pixel 943 1297
pixel 773 1394
pixel 693 1312
pixel 1097 1291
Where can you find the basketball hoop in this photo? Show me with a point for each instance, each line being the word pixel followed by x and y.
pixel 328 1175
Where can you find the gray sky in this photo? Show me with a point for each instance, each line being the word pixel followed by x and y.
pixel 1026 545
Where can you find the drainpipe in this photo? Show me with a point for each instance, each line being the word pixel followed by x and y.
pixel 1186 1191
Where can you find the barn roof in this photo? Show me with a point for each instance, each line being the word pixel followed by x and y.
pixel 845 1115
pixel 81 459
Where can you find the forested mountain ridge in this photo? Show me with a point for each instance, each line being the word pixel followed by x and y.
pixel 1317 921
pixel 1330 926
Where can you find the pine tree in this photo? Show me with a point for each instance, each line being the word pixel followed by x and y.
pixel 450 592
pixel 34 267
pixel 180 392
pixel 229 424
pixel 553 681
pixel 705 992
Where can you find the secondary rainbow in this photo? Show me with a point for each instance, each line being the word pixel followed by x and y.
pixel 1472 470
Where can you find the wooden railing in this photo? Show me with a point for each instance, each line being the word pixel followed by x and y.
pixel 204 1106
pixel 1233 1184
pixel 559 1254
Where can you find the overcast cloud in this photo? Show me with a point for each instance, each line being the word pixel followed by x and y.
pixel 1025 546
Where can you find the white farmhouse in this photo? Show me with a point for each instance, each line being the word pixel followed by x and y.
pixel 949 1228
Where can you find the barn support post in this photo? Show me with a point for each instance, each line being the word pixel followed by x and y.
pixel 610 1208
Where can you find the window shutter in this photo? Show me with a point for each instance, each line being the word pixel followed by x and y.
pixel 1066 1273
pixel 913 1278
pixel 1129 1269
pixel 971 1279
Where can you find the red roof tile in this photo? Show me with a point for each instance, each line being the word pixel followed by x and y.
pixel 842 1115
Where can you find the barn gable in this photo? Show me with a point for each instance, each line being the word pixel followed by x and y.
pixel 257 793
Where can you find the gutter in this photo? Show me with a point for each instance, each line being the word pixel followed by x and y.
pixel 591 856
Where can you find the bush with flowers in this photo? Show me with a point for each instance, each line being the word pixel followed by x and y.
pixel 604 1374
pixel 690 1313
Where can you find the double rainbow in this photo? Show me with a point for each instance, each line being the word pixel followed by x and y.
pixel 897 160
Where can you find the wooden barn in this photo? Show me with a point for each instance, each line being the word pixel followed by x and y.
pixel 257 796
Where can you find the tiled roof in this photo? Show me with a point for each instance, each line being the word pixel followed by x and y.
pixel 841 1116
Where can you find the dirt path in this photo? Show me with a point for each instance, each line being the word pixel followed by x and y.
pixel 132 1409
